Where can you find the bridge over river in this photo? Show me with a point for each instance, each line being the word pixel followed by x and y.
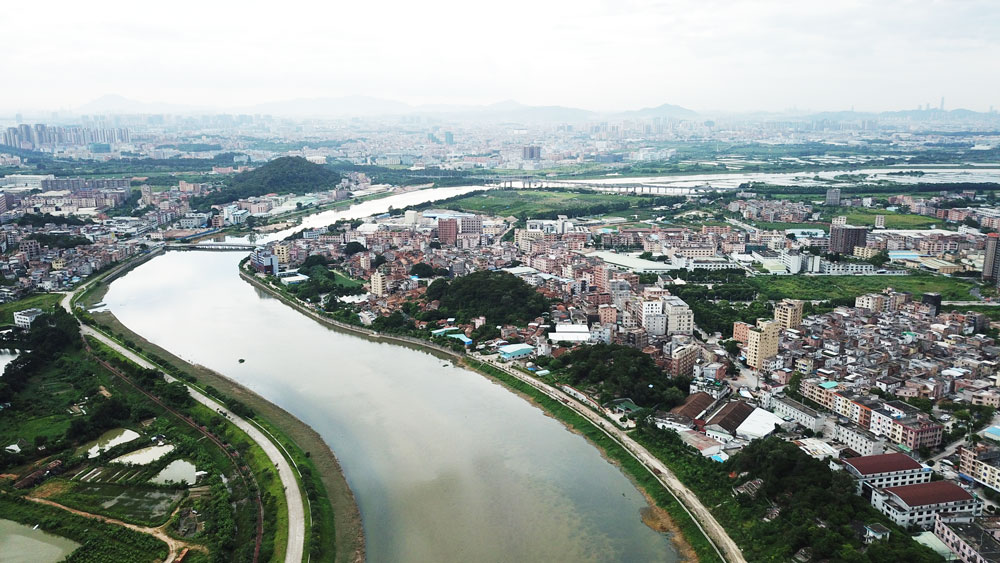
pixel 216 246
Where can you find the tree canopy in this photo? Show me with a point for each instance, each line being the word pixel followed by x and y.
pixel 499 296
pixel 289 174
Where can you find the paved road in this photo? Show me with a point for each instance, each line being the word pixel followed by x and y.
pixel 717 535
pixel 293 495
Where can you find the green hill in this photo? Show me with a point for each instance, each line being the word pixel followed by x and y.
pixel 289 174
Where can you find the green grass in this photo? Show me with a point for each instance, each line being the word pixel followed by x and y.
pixel 44 301
pixel 866 217
pixel 531 202
pixel 836 287
pixel 341 279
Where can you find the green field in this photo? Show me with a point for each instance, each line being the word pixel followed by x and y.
pixel 131 503
pixel 838 287
pixel 866 217
pixel 531 202
pixel 42 301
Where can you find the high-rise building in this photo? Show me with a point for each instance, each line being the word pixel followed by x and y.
pixel 449 138
pixel 991 262
pixel 448 231
pixel 531 153
pixel 843 238
pixel 378 283
pixel 762 343
pixel 788 313
pixel 833 196
pixel 880 221
pixel 932 299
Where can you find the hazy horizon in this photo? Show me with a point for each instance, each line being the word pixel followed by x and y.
pixel 596 55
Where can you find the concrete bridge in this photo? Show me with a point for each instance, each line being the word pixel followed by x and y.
pixel 624 187
pixel 216 246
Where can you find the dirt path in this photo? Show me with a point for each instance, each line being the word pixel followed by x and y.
pixel 174 545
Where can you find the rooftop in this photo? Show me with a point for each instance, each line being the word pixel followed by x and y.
pixel 933 492
pixel 883 463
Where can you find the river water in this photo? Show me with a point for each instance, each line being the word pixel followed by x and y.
pixel 24 544
pixel 445 465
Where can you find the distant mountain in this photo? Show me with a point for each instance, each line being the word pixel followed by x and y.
pixel 367 106
pixel 113 103
pixel 664 110
pixel 360 106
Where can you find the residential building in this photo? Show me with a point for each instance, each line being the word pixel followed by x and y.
pixel 832 197
pixel 885 470
pixel 981 463
pixel 796 412
pixel 859 440
pixel 23 319
pixel 843 238
pixel 991 259
pixel 920 504
pixel 972 542
pixel 378 284
pixel 762 343
pixel 788 313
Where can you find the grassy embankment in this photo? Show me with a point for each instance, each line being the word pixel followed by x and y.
pixel 334 528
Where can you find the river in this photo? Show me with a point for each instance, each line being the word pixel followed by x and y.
pixel 445 464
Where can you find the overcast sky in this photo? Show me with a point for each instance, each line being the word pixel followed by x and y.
pixel 595 54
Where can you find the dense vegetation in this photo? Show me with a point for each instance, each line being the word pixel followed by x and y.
pixel 817 507
pixel 290 174
pixel 619 371
pixel 60 241
pixel 499 296
pixel 42 219
pixel 100 542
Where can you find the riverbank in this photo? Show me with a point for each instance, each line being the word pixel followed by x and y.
pixel 689 535
pixel 334 523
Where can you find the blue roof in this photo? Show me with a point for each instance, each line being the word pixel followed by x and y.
pixel 444 330
pixel 828 384
pixel 994 432
pixel 465 339
pixel 717 458
pixel 515 348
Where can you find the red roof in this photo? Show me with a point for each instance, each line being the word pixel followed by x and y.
pixel 933 492
pixel 885 463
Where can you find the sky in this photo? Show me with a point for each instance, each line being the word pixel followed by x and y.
pixel 604 55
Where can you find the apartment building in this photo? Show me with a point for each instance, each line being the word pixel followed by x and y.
pixel 790 409
pixel 982 463
pixel 920 504
pixel 762 343
pixel 885 470
pixel 788 313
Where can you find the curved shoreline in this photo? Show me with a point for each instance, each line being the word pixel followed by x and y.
pixel 349 543
pixel 715 534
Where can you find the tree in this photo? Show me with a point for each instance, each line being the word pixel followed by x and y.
pixel 353 248
pixel 422 270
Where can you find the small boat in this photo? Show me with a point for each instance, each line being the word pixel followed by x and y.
pixel 242 360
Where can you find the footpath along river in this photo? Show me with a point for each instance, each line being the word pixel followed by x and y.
pixel 445 464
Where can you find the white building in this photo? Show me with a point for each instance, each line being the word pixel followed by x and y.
pixel 919 504
pixel 886 470
pixel 790 409
pixel 23 319
pixel 860 440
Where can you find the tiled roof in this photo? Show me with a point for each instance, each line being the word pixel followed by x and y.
pixel 933 492
pixel 885 463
